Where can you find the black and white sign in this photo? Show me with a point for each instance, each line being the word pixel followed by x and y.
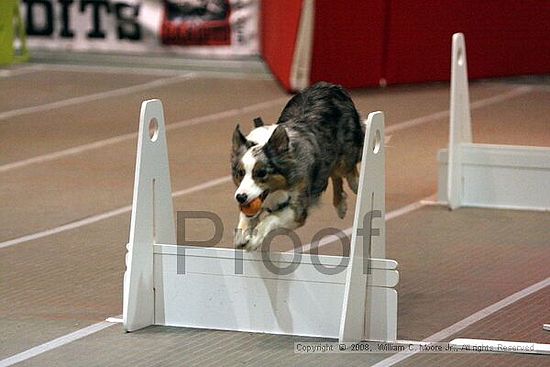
pixel 201 27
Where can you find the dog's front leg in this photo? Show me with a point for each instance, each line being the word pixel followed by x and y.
pixel 284 218
pixel 244 230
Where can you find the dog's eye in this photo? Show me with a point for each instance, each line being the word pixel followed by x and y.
pixel 261 173
pixel 240 173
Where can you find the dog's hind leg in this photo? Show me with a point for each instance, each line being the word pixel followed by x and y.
pixel 339 197
pixel 353 179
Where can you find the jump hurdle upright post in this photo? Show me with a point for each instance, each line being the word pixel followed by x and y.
pixel 460 119
pixel 487 175
pixel 152 217
pixel 351 302
pixel 368 239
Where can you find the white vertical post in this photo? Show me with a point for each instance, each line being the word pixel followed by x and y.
pixel 369 231
pixel 300 69
pixel 460 126
pixel 152 217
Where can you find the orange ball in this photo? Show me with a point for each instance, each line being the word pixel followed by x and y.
pixel 252 208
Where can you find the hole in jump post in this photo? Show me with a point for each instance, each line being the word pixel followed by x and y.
pixel 377 142
pixel 153 129
pixel 460 56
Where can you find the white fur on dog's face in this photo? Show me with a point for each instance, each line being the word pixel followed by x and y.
pixel 248 186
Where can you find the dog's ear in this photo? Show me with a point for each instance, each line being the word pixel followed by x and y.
pixel 238 138
pixel 278 143
pixel 258 122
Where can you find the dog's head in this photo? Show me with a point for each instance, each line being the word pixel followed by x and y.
pixel 259 162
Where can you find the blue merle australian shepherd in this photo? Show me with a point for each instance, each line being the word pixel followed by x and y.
pixel 287 165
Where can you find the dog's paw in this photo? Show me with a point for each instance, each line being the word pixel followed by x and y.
pixel 353 181
pixel 342 207
pixel 258 236
pixel 254 242
pixel 241 238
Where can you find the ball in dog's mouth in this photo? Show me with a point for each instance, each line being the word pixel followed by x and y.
pixel 253 207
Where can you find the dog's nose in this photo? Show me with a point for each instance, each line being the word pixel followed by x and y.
pixel 241 198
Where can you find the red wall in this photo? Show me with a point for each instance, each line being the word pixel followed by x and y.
pixel 357 43
pixel 503 37
pixel 348 42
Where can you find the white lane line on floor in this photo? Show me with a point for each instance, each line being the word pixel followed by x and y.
pixel 106 215
pixel 115 319
pixel 156 71
pixel 55 343
pixel 19 71
pixel 468 321
pixel 75 68
pixel 95 96
pixel 389 216
pixel 235 112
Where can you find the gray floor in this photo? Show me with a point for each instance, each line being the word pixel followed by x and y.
pixel 67 155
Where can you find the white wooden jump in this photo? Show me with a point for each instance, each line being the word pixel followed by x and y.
pixel 486 175
pixel 357 303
